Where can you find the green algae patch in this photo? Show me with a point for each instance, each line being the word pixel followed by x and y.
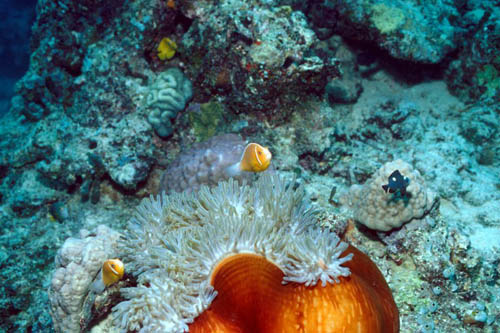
pixel 406 281
pixel 489 78
pixel 387 19
pixel 205 121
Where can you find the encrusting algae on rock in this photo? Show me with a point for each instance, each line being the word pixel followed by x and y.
pixel 246 259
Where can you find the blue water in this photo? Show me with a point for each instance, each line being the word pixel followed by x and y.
pixel 15 32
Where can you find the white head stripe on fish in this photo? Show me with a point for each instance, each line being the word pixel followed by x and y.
pixel 112 269
pixel 257 155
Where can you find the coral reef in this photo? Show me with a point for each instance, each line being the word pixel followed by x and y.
pixel 335 89
pixel 334 147
pixel 267 63
pixel 343 91
pixel 474 73
pixel 380 210
pixel 443 282
pixel 168 95
pixel 407 30
pixel 68 106
pixel 206 119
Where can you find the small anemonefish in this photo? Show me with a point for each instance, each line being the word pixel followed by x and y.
pixel 255 158
pixel 112 271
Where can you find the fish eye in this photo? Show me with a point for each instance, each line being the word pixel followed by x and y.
pixel 112 265
pixel 393 179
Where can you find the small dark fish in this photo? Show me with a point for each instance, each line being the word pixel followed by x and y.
pixel 366 58
pixel 396 182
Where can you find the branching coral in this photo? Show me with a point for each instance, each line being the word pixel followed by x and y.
pixel 193 253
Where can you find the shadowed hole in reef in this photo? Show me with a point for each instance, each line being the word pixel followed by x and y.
pixel 173 29
pixel 404 71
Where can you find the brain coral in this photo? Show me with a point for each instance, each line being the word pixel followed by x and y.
pixel 246 259
pixel 168 95
pixel 378 210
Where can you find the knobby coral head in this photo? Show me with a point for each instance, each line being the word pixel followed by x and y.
pixel 240 258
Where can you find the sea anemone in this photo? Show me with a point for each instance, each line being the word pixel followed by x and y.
pixel 241 258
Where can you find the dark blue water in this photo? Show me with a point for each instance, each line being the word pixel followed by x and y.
pixel 15 29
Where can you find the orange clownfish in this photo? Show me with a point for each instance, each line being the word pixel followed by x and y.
pixel 112 271
pixel 255 158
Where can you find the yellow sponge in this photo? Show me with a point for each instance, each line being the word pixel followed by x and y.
pixel 166 49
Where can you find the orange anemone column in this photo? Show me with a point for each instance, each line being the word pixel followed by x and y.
pixel 252 299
